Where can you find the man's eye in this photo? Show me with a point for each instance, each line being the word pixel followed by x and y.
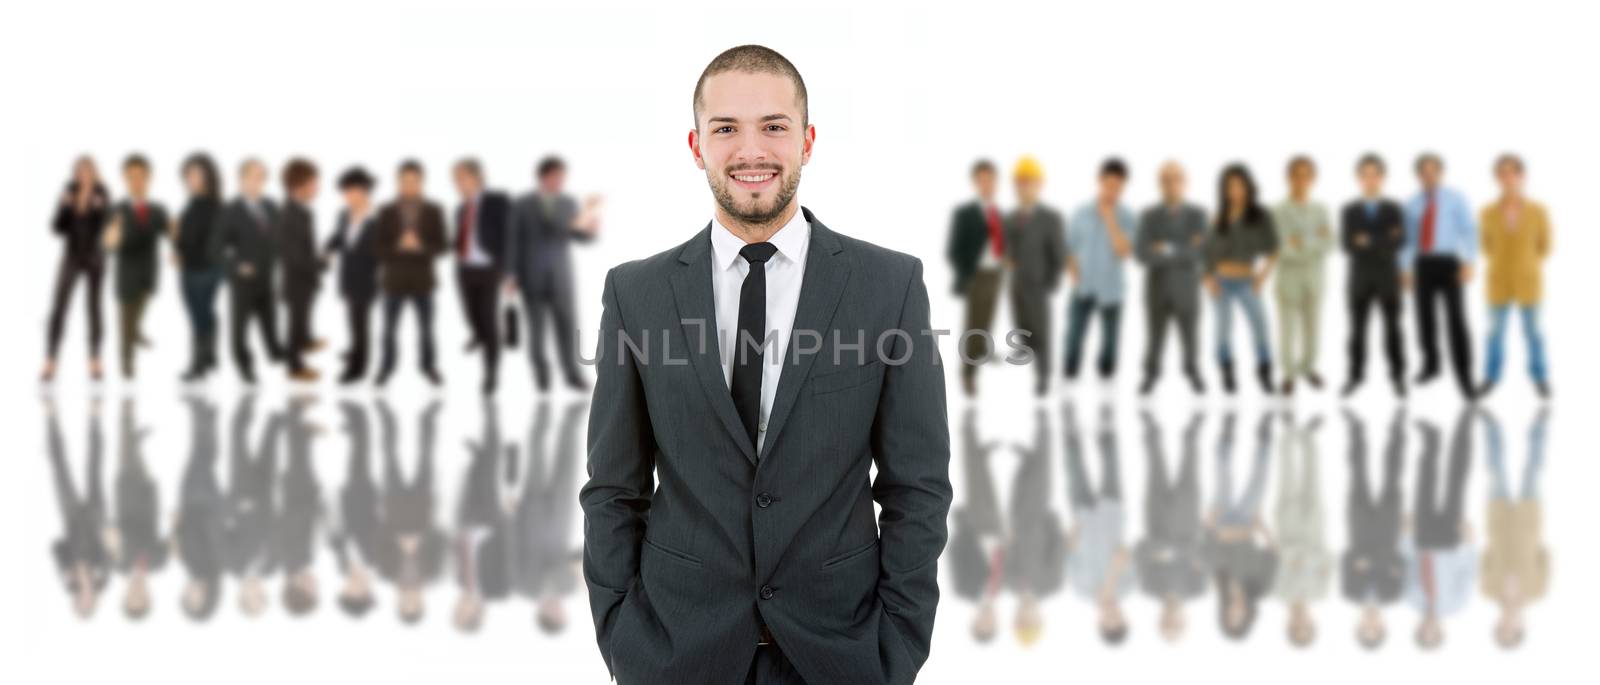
pixel 776 127
pixel 724 129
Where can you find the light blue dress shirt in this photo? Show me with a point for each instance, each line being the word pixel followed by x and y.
pixel 1089 242
pixel 1455 230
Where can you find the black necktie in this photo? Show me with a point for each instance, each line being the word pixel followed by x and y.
pixel 752 327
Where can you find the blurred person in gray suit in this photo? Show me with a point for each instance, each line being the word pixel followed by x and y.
pixel 251 500
pixel 1170 244
pixel 1036 547
pixel 412 548
pixel 1036 254
pixel 356 525
pixel 300 512
pixel 730 533
pixel 1170 566
pixel 482 545
pixel 544 224
pixel 200 533
pixel 1372 573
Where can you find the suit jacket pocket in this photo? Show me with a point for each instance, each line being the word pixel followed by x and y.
pixel 850 377
pixel 675 555
pixel 851 555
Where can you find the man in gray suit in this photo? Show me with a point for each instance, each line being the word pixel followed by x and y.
pixel 543 225
pixel 755 556
pixel 1037 236
pixel 1168 245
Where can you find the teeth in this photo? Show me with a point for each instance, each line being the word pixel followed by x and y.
pixel 753 179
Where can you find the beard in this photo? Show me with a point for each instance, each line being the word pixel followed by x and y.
pixel 752 213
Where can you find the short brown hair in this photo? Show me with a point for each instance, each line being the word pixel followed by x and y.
pixel 298 173
pixel 754 59
pixel 1509 159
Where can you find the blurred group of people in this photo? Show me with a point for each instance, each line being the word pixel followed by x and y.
pixel 1422 551
pixel 1427 246
pixel 269 254
pixel 511 535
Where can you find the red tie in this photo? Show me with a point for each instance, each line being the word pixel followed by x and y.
pixel 1430 589
pixel 469 220
pixel 997 237
pixel 1428 219
pixel 140 211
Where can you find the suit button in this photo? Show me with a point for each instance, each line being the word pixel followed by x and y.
pixel 767 592
pixel 763 500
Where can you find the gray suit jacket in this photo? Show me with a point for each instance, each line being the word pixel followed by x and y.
pixel 1037 244
pixel 1167 247
pixel 537 244
pixel 692 538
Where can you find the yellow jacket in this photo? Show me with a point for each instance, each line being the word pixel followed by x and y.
pixel 1515 254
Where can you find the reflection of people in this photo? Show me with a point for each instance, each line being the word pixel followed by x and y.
pixel 302 267
pixel 356 528
pixel 1035 544
pixel 80 221
pixel 1441 559
pixel 483 536
pixel 1099 239
pixel 1516 564
pixel 410 234
pixel 482 221
pixel 1100 565
pixel 1372 572
pixel 82 561
pixel 201 530
pixel 1516 241
pixel 977 251
pixel 543 555
pixel 352 242
pixel 1169 242
pixel 300 513
pixel 412 547
pixel 140 548
pixel 251 253
pixel 1305 567
pixel 1305 236
pixel 252 502
pixel 136 229
pixel 674 567
pixel 1244 235
pixel 1171 569
pixel 198 245
pixel 1238 546
pixel 1441 245
pixel 1372 232
pixel 976 555
pixel 544 224
pixel 1036 254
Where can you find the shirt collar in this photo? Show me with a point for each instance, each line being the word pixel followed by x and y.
pixel 792 241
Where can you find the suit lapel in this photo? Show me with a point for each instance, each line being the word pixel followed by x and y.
pixel 827 270
pixel 691 289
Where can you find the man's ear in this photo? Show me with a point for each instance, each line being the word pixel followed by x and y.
pixel 810 140
pixel 694 148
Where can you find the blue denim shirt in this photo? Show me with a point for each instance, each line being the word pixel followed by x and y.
pixel 1089 242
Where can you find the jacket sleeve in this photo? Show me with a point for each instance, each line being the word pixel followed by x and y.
pixel 910 443
pixel 621 464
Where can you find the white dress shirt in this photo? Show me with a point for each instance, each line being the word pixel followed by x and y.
pixel 784 272
pixel 476 256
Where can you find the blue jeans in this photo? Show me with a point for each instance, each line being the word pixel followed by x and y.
pixel 1500 484
pixel 1240 291
pixel 1079 311
pixel 1497 342
pixel 200 288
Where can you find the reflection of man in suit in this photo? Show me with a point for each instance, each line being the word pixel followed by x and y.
pixel 250 251
pixel 480 249
pixel 977 252
pixel 82 561
pixel 1169 246
pixel 1372 572
pixel 302 269
pixel 543 556
pixel 483 526
pixel 1036 550
pixel 412 552
pixel 1170 566
pixel 409 236
pixel 201 530
pixel 352 241
pixel 251 480
pixel 1442 559
pixel 766 496
pixel 544 223
pixel 299 514
pixel 976 555
pixel 1036 239
pixel 140 547
pixel 355 534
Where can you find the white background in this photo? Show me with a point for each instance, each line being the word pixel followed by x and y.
pixel 904 97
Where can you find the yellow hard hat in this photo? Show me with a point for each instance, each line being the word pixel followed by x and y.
pixel 1028 169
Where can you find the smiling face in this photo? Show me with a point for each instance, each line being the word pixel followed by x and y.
pixel 751 138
